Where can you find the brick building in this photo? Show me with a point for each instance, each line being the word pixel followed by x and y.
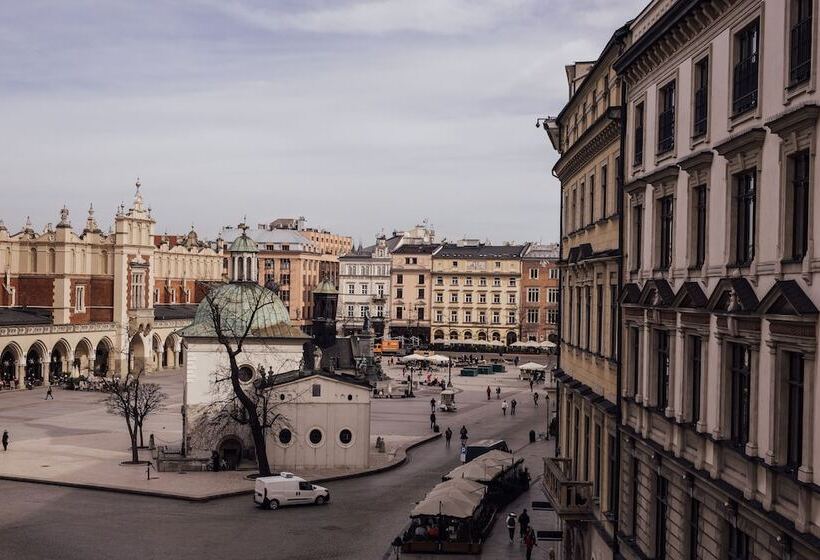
pixel 80 304
pixel 539 292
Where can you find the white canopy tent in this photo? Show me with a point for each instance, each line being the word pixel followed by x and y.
pixel 453 498
pixel 438 359
pixel 532 366
pixel 413 358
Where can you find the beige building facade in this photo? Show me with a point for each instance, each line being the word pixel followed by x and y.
pixel 586 133
pixel 410 275
pixel 475 292
pixel 82 303
pixel 720 392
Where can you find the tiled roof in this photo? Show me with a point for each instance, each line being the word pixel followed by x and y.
pixel 163 312
pixel 11 316
pixel 410 249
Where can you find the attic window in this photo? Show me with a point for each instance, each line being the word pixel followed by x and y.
pixel 317 390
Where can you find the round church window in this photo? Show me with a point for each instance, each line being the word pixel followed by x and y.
pixel 285 436
pixel 245 374
pixel 345 436
pixel 315 436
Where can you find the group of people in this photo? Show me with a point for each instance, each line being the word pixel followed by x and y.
pixel 527 534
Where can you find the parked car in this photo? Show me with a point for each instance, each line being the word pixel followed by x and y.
pixel 481 447
pixel 287 489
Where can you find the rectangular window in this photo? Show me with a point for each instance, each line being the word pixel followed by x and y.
pixel 662 338
pixel 399 293
pixel 637 159
pixel 317 390
pixel 533 274
pixel 666 234
pixel 468 281
pixel 468 298
pixel 694 528
pixel 439 280
pixel 599 319
pixel 454 281
pixel 380 289
pixel 421 278
pixel 614 487
pixel 399 312
pixel 695 374
pixel 800 42
pixel 482 298
pixel 745 216
pixel 468 316
pixel 532 316
pixel 496 318
pixel 351 288
pixel 591 198
pixel 582 191
pixel 701 110
pixel 439 297
pixel 511 317
pixel 454 316
pixel 798 201
pixel 740 385
pixel 552 316
pixel 420 313
pixel 439 316
pixel 496 282
pixel 554 273
pixel 454 298
pixel 421 293
pixel 399 279
pixel 596 481
pixel 661 506
pixel 79 299
pixel 588 317
pixel 637 236
pixel 511 299
pixel 586 449
pixel 738 548
pixel 482 281
pixel 578 316
pixel 794 399
pixel 532 295
pixel 613 315
pixel 512 283
pixel 496 299
pixel 604 170
pixel 364 310
pixel 666 118
pixel 699 226
pixel 350 311
pixel 634 358
pixel 568 313
pixel 745 72
pixel 636 473
pixel 482 317
pixel 364 289
pixel 552 295
pixel 137 290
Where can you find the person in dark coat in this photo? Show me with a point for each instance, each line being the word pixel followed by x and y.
pixel 432 405
pixel 530 543
pixel 432 420
pixel 463 433
pixel 49 394
pixel 524 522
pixel 5 440
pixel 488 392
pixel 513 404
pixel 448 435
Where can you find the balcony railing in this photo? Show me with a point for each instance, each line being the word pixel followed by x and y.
pixel 572 499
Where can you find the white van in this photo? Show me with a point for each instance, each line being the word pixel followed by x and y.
pixel 286 489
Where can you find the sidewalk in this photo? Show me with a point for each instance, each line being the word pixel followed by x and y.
pixel 80 465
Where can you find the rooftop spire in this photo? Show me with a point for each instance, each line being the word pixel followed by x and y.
pixel 138 197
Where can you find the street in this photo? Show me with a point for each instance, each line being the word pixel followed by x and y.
pixel 365 514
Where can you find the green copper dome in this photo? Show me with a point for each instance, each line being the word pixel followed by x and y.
pixel 238 304
pixel 243 244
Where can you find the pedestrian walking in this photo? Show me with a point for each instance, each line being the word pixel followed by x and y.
pixel 5 440
pixel 49 394
pixel 530 543
pixel 488 392
pixel 432 405
pixel 524 523
pixel 497 393
pixel 432 420
pixel 448 435
pixel 513 404
pixel 463 432
pixel 511 525
pixel 531 384
pixel 535 399
pixel 516 361
pixel 504 407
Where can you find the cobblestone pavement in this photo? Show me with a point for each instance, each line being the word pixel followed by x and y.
pixel 38 521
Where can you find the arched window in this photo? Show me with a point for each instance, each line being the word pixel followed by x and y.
pixel 468 335
pixel 453 335
pixel 496 335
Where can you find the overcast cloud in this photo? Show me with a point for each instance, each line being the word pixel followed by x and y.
pixel 360 115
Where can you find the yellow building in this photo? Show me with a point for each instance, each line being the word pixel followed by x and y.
pixel 476 292
pixel 410 275
pixel 586 133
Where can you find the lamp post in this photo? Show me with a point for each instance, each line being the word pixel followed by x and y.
pixel 449 371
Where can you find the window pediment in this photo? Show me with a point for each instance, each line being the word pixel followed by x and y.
pixel 733 295
pixel 786 297
pixel 746 144
pixel 690 296
pixel 802 116
pixel 657 293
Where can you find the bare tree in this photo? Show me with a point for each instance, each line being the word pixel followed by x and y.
pixel 150 399
pixel 134 401
pixel 249 407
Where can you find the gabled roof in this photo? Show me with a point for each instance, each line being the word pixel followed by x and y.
pixel 480 251
pixel 691 296
pixel 733 295
pixel 786 297
pixel 657 293
pixel 630 293
pixel 416 249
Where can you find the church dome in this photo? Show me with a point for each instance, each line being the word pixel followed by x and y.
pixel 243 244
pixel 238 304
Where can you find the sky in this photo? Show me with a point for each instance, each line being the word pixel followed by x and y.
pixel 361 115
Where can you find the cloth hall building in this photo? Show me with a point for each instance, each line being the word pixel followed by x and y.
pixel 81 303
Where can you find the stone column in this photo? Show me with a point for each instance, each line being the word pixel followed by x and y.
pixel 751 445
pixel 805 473
pixel 21 375
pixel 776 399
pixel 719 422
